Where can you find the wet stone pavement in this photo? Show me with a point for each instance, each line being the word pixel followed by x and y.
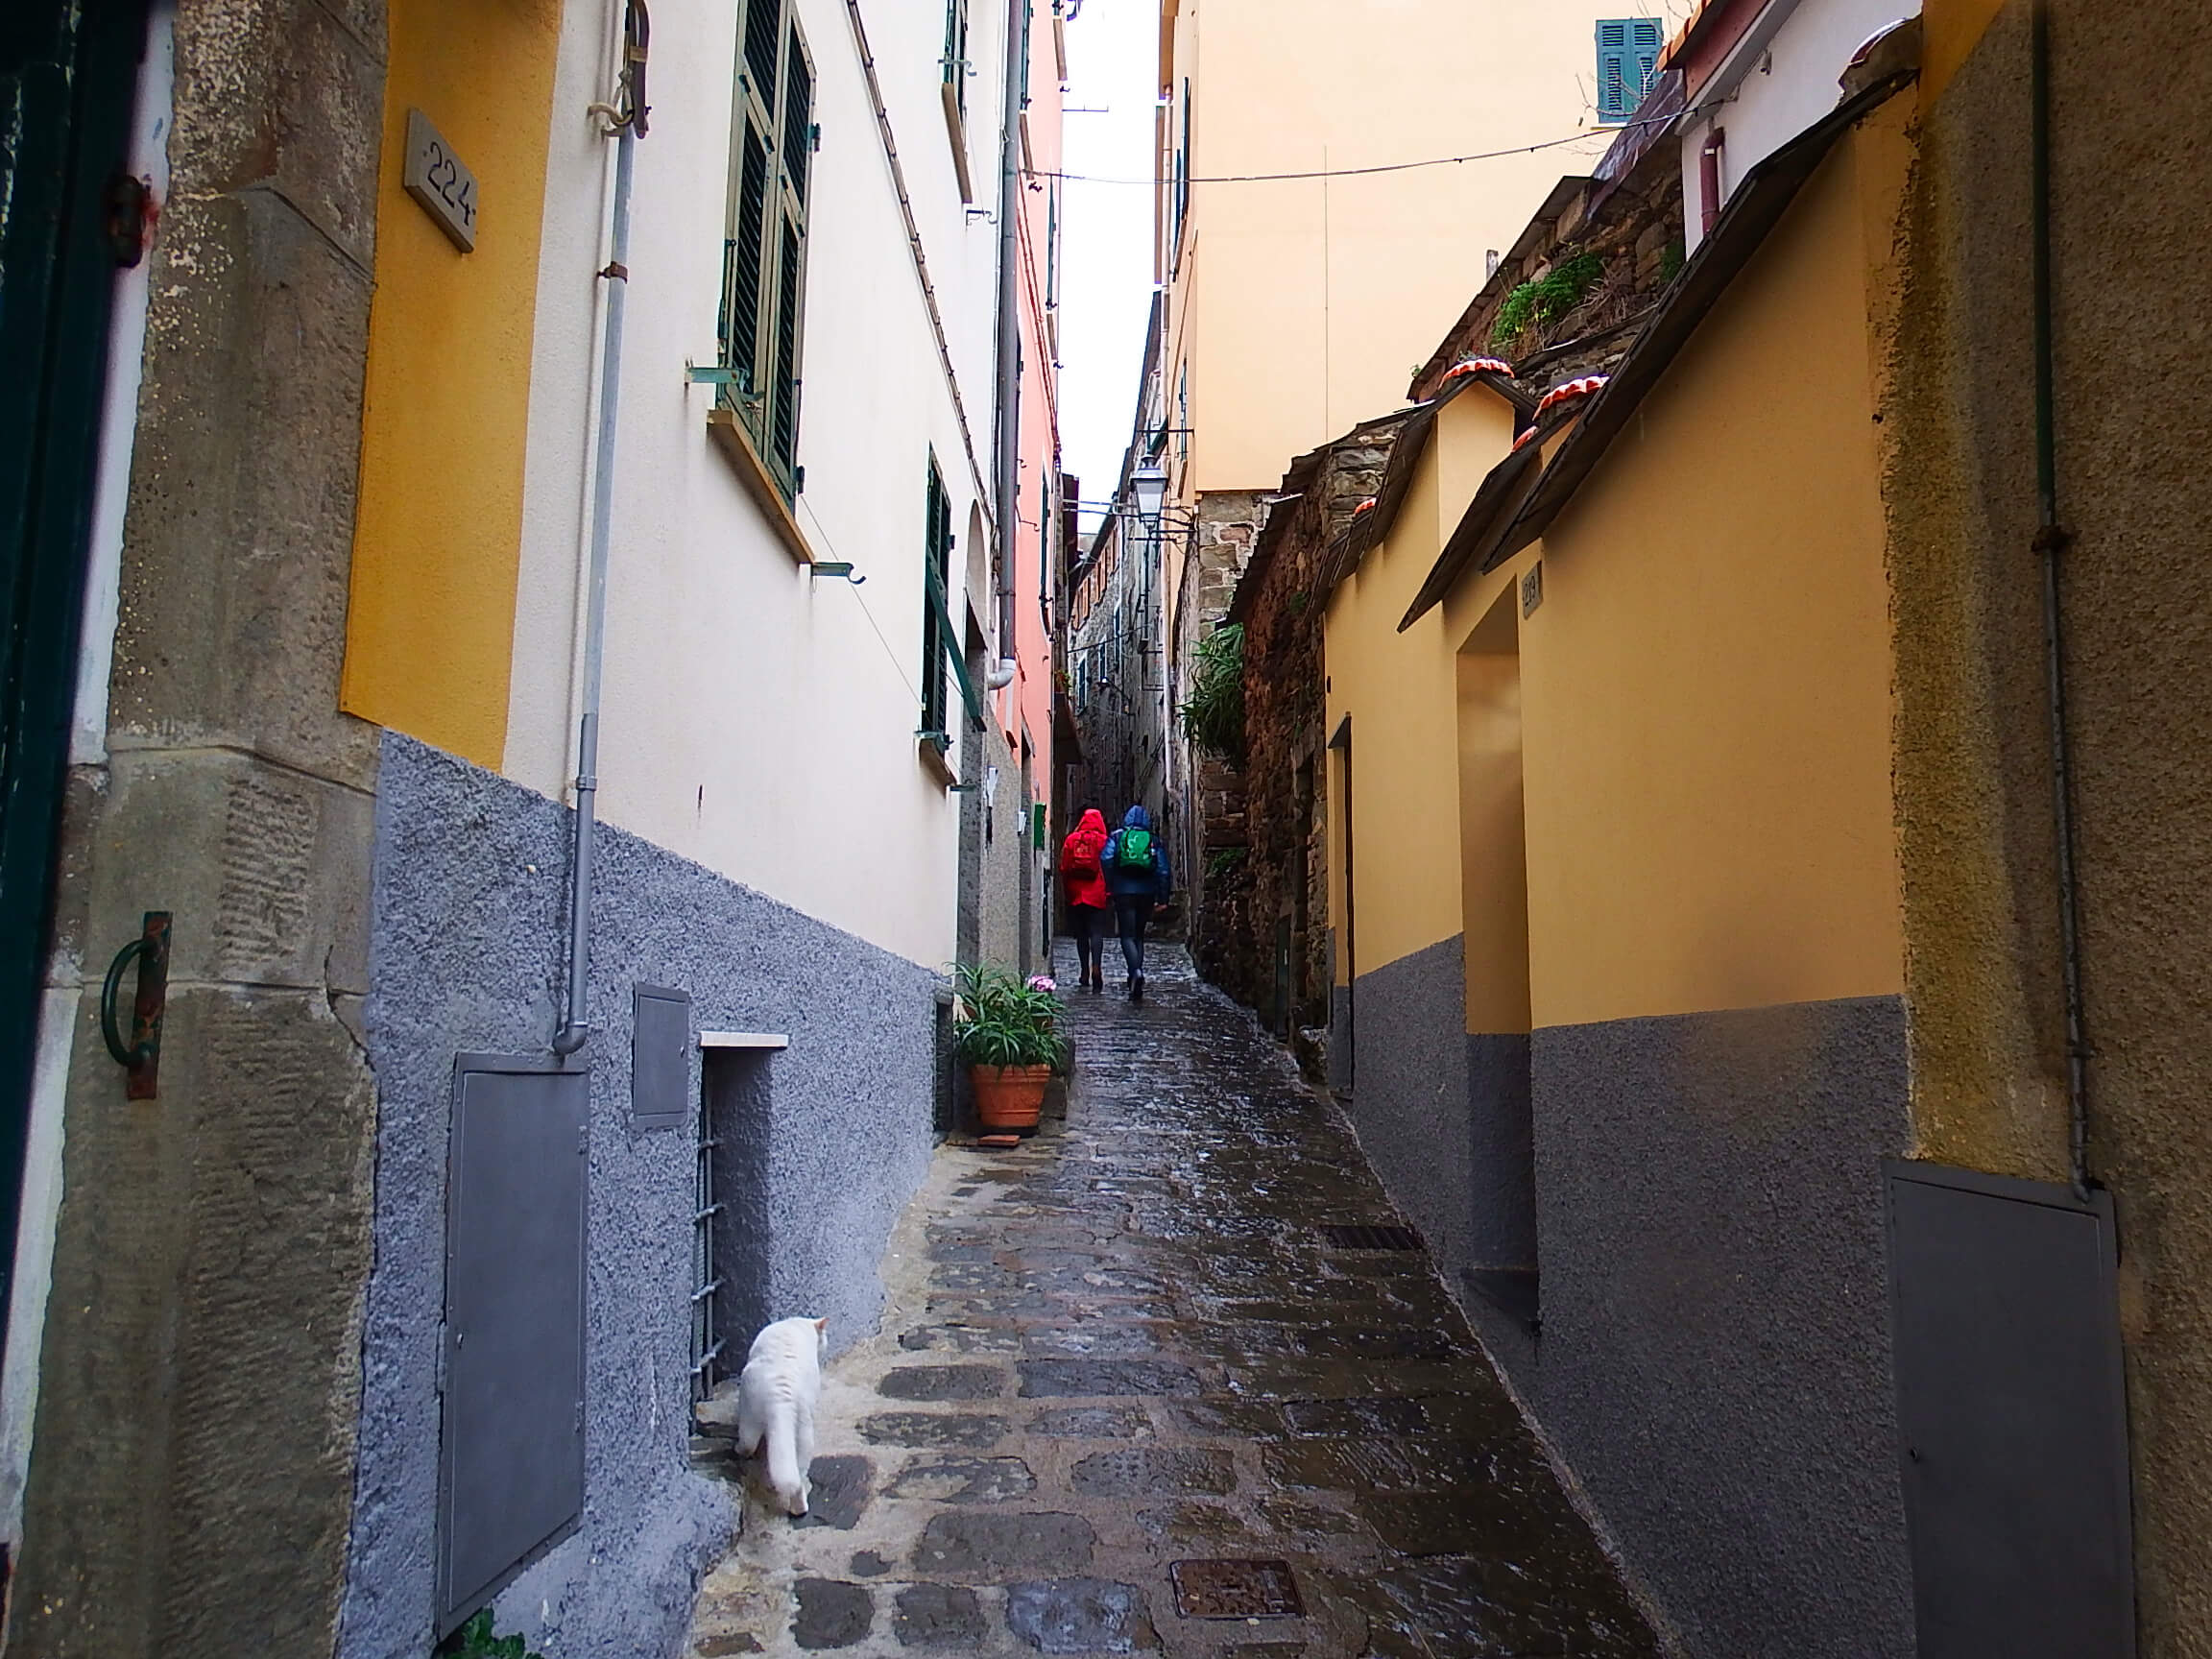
pixel 1130 1398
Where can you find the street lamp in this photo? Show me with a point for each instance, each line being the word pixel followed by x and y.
pixel 1148 483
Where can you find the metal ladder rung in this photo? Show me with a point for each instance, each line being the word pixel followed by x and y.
pixel 707 1358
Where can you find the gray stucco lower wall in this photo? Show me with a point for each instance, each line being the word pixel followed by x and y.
pixel 466 956
pixel 1714 1356
pixel 1444 1115
pixel 1409 1094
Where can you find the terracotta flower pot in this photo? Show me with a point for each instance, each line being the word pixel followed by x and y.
pixel 1008 1097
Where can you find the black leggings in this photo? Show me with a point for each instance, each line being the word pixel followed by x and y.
pixel 1131 911
pixel 1089 923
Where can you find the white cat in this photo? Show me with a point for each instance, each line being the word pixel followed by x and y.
pixel 776 1395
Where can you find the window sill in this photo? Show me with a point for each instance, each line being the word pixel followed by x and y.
pixel 736 446
pixel 933 761
pixel 956 130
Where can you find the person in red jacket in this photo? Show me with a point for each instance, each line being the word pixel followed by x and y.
pixel 1083 869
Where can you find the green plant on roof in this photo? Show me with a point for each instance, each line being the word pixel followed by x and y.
pixel 474 1641
pixel 1214 713
pixel 1550 297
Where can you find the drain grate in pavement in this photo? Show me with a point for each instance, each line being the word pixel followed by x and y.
pixel 1227 1589
pixel 1362 1237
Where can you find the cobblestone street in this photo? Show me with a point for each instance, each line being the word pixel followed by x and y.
pixel 1130 1394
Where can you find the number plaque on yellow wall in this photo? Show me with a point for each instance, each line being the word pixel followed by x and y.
pixel 435 177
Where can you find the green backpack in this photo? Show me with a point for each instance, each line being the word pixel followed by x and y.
pixel 1135 851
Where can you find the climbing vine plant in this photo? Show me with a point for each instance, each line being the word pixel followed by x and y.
pixel 1214 713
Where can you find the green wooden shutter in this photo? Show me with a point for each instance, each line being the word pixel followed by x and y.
pixel 785 390
pixel 936 541
pixel 762 35
pixel 798 117
pixel 764 253
pixel 741 334
pixel 1616 64
pixel 956 53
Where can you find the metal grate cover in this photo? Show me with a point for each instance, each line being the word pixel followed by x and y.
pixel 1235 1589
pixel 1360 1236
pixel 659 1057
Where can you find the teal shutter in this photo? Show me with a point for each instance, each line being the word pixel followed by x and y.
pixel 1627 58
pixel 1643 46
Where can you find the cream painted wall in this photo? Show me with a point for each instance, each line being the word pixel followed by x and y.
pixel 1402 693
pixel 1316 301
pixel 1762 99
pixel 756 719
pixel 1706 686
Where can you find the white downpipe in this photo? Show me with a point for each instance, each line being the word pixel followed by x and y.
pixel 575 1026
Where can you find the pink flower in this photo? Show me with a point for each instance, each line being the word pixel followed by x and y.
pixel 1042 982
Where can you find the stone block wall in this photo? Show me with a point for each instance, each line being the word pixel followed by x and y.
pixel 1282 875
pixel 1212 821
pixel 1632 221
pixel 190 1486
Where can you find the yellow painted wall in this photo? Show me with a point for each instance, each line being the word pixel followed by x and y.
pixel 438 536
pixel 1402 693
pixel 1314 301
pixel 1707 683
pixel 1493 858
pixel 1950 31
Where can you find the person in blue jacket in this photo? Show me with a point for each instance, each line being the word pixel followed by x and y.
pixel 1137 878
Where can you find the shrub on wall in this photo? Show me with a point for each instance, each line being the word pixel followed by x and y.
pixel 1214 714
pixel 1550 298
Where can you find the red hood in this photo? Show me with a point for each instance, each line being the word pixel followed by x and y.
pixel 1093 822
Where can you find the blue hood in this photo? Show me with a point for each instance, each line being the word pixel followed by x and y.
pixel 1136 818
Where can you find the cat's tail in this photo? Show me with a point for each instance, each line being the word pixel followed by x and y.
pixel 784 1471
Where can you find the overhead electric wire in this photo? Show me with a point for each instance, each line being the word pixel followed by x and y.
pixel 1362 172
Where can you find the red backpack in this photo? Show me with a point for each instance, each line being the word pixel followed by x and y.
pixel 1079 857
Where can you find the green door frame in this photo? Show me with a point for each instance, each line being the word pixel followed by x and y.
pixel 68 74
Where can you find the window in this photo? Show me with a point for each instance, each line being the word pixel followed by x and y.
pixel 764 254
pixel 956 55
pixel 936 638
pixel 953 88
pixel 1180 206
pixel 1627 58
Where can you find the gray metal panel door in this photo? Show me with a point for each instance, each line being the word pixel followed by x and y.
pixel 511 1465
pixel 659 1058
pixel 2013 1416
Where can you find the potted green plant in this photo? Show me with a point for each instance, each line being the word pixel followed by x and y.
pixel 1006 1030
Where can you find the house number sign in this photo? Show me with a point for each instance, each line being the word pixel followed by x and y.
pixel 435 177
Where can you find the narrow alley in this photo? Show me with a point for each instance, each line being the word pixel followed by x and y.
pixel 1169 1377
pixel 595 594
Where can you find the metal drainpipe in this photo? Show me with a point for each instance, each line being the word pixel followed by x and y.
pixel 2050 540
pixel 575 1026
pixel 1008 504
